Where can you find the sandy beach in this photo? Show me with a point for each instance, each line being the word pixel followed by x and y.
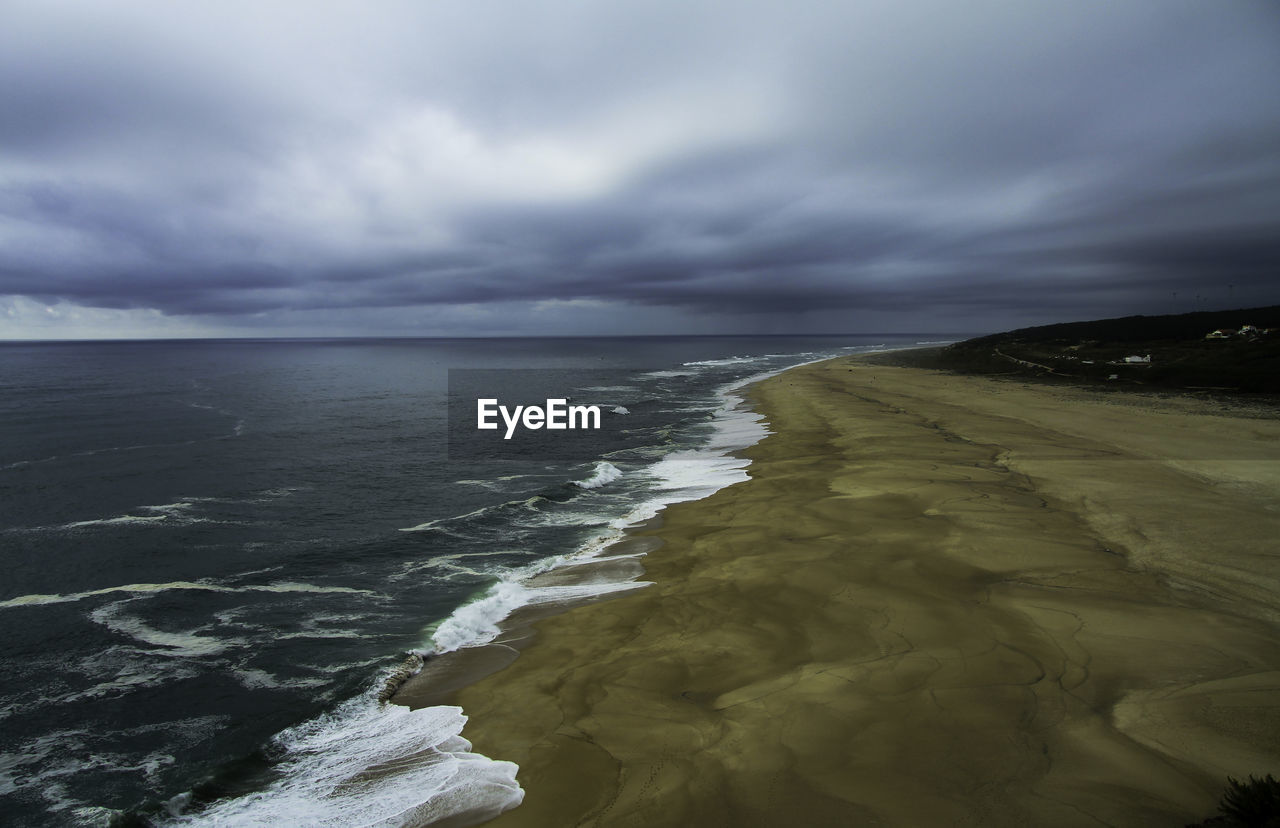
pixel 939 600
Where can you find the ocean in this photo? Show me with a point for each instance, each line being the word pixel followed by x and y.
pixel 215 553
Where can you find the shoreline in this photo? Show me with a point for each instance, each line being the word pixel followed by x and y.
pixel 938 600
pixel 439 677
pixel 424 679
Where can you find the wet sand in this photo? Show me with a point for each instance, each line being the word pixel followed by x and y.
pixel 940 600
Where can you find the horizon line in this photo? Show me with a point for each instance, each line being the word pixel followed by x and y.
pixel 455 338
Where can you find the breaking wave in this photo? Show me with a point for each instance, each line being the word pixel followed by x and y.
pixel 368 763
pixel 605 473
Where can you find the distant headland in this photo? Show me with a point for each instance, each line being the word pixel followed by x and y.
pixel 1232 351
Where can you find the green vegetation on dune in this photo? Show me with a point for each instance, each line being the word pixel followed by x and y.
pixel 1243 357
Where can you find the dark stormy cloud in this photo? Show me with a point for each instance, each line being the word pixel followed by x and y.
pixel 494 166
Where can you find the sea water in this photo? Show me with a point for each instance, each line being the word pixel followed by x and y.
pixel 213 554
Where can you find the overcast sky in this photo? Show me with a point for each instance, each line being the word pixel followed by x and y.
pixel 482 167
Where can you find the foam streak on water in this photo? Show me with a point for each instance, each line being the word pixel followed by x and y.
pixel 31 600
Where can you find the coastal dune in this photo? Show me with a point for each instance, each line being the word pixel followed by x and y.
pixel 939 600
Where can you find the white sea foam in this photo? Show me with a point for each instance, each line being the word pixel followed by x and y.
pixel 236 430
pixel 710 363
pixel 604 473
pixel 698 473
pixel 94 816
pixel 441 523
pixel 49 759
pixel 176 644
pixel 580 518
pixel 177 513
pixel 120 663
pixel 479 622
pixel 668 373
pixel 168 508
pixel 325 625
pixel 621 409
pixel 319 634
pixel 277 493
pixel 115 521
pixel 449 566
pixel 279 586
pixel 131 679
pixel 505 483
pixel 262 680
pixel 373 764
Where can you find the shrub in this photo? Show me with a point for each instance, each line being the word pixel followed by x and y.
pixel 1255 804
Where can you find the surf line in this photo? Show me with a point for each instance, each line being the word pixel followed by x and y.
pixel 557 414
